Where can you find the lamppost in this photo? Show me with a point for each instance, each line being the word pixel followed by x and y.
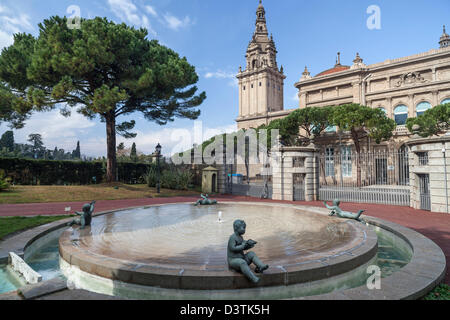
pixel 158 155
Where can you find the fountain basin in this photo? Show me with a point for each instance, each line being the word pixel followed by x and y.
pixel 180 246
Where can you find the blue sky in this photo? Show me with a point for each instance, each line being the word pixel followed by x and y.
pixel 214 35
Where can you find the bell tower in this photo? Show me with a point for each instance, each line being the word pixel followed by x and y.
pixel 261 84
pixel 444 41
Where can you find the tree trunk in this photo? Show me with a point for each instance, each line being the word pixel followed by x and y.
pixel 358 157
pixel 111 162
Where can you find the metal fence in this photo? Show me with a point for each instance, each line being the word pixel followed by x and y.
pixel 252 190
pixel 378 177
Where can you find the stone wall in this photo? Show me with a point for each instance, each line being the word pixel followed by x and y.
pixel 431 156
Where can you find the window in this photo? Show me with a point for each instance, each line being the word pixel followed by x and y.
pixel 445 101
pixel 383 109
pixel 346 161
pixel 329 162
pixel 422 107
pixel 423 158
pixel 260 84
pixel 252 86
pixel 401 114
pixel 331 129
pixel 244 87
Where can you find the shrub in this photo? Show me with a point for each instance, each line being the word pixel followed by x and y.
pixel 4 182
pixel 184 179
pixel 151 177
pixel 48 172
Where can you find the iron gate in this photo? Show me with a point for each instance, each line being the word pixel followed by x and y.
pixel 425 199
pixel 299 187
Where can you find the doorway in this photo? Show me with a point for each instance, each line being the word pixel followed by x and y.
pixel 424 188
pixel 214 183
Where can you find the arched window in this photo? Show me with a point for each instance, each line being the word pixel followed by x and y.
pixel 422 107
pixel 401 114
pixel 331 129
pixel 445 101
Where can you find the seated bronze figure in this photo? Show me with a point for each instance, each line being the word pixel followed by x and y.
pixel 85 216
pixel 237 259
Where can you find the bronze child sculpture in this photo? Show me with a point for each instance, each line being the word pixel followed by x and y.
pixel 335 210
pixel 237 259
pixel 85 216
pixel 205 201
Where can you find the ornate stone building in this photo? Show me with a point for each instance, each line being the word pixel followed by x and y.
pixel 261 84
pixel 403 88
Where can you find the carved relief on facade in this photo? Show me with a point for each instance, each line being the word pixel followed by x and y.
pixel 410 78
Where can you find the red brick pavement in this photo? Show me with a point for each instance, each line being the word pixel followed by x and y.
pixel 435 226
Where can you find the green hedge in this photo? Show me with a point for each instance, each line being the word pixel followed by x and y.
pixel 46 172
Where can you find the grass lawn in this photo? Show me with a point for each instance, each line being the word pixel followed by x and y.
pixel 42 194
pixel 442 292
pixel 10 225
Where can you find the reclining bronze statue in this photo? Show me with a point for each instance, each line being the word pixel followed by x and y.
pixel 85 216
pixel 237 259
pixel 205 201
pixel 335 210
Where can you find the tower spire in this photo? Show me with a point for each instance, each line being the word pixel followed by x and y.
pixel 444 41
pixel 261 84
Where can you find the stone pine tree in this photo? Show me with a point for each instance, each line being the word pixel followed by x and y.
pixel 133 153
pixel 7 141
pixel 362 122
pixel 102 69
pixel 434 121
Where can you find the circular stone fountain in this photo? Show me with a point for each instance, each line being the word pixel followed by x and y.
pixel 181 246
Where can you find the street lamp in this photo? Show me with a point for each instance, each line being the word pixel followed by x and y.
pixel 158 155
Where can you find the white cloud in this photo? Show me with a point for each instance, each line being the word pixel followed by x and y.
pixel 128 12
pixel 150 10
pixel 61 132
pixel 10 24
pixel 223 75
pixel 175 23
pixel 55 129
pixel 15 24
pixel 6 39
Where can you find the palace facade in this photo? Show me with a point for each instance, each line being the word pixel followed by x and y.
pixel 403 88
